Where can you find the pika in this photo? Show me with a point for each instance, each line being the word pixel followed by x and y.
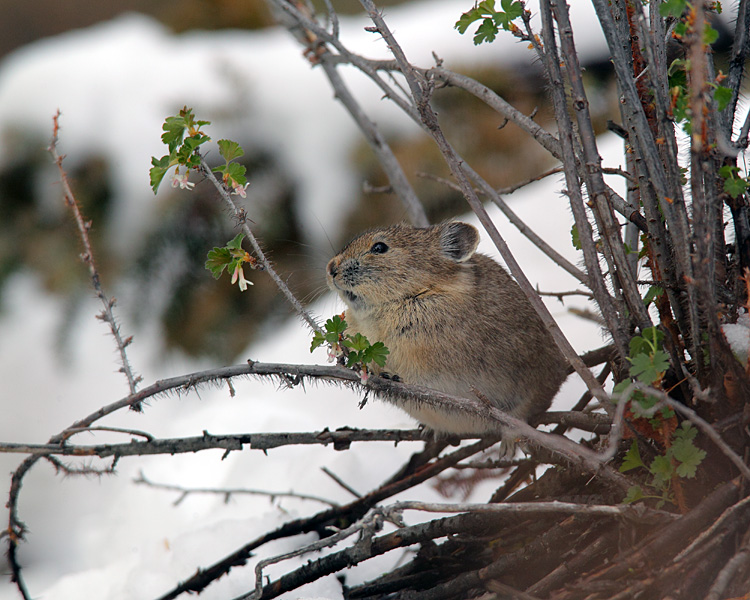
pixel 453 320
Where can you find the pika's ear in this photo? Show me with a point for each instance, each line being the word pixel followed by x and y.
pixel 458 241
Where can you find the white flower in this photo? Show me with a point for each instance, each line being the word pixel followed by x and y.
pixel 181 180
pixel 239 190
pixel 334 351
pixel 364 376
pixel 239 274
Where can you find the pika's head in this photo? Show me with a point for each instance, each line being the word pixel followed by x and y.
pixel 399 262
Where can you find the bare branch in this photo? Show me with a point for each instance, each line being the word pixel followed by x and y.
pixel 226 492
pixel 340 438
pixel 87 257
pixel 356 508
pixel 369 546
pixel 609 229
pixel 341 482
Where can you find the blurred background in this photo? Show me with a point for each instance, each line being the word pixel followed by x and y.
pixel 115 71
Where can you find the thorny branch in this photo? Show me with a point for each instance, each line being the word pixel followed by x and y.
pixel 87 257
pixel 226 492
pixel 267 266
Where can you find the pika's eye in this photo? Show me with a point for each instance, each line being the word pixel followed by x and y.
pixel 379 248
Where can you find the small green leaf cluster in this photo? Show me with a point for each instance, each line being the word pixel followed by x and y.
pixel 576 237
pixel 648 364
pixel 491 20
pixel 232 258
pixel 233 174
pixel 361 351
pixel 734 184
pixel 334 331
pixel 681 459
pixel 680 95
pixel 676 8
pixel 228 257
pixel 648 361
pixel 677 73
pixel 183 136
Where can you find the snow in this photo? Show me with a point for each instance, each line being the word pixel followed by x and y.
pixel 115 83
pixel 738 336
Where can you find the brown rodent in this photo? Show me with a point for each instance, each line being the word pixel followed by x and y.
pixel 453 320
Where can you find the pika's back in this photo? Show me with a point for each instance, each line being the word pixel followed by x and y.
pixel 452 319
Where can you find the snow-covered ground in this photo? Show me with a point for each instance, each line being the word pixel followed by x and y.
pixel 115 83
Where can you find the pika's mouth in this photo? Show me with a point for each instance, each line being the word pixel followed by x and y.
pixel 350 297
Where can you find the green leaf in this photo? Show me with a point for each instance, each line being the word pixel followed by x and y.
pixel 236 242
pixel 641 405
pixel 710 35
pixel 688 455
pixel 662 470
pixel 728 171
pixel 192 142
pixel 317 341
pixel 158 171
pixel 218 260
pixel 467 19
pixel 686 432
pixel 649 368
pixel 237 172
pixel 575 236
pixel 723 96
pixel 635 493
pixel 632 459
pixel 512 8
pixel 652 294
pixel 336 325
pixel 357 342
pixel 376 353
pixel 620 389
pixel 230 150
pixel 672 8
pixel 735 186
pixel 174 129
pixel 486 32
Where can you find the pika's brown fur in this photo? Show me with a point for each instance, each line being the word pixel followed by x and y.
pixel 453 320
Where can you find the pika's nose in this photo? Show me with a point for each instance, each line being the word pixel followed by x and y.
pixel 333 267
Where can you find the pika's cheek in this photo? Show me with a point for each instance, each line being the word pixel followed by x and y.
pixel 348 273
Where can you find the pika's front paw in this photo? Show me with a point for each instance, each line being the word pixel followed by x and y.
pixel 391 376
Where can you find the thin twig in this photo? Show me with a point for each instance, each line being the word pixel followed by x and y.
pixel 267 266
pixel 87 257
pixel 226 492
pixel 341 482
